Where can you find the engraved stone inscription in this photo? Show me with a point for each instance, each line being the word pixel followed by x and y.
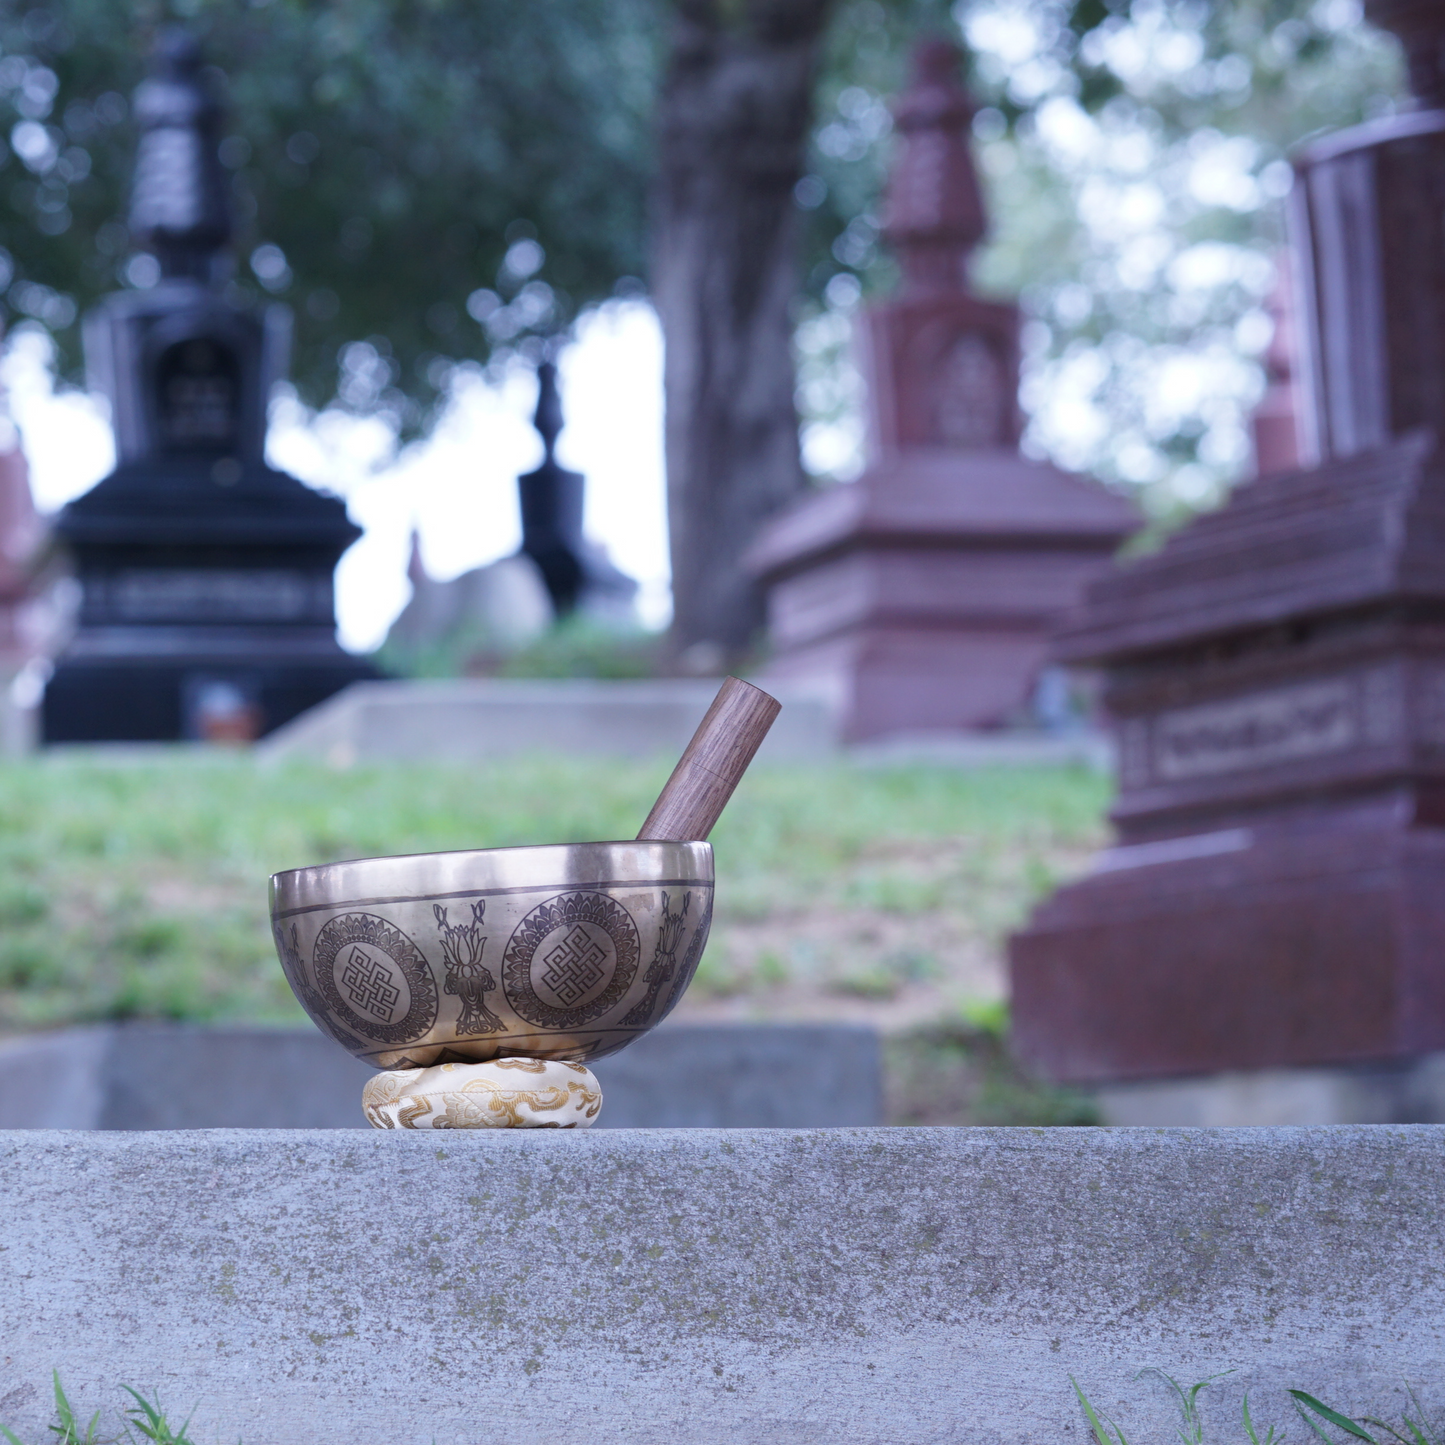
pixel 271 594
pixel 969 396
pixel 198 386
pixel 1134 753
pixel 1430 705
pixel 1284 725
pixel 1382 705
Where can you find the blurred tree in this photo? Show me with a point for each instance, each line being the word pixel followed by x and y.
pixel 422 182
pixel 733 119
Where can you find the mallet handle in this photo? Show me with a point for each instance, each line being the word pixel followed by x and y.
pixel 714 761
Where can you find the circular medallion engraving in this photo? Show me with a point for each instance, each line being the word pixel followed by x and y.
pixel 570 960
pixel 372 976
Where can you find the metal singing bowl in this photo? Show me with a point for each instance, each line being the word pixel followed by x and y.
pixel 566 952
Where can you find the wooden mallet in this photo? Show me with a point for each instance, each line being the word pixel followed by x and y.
pixel 712 764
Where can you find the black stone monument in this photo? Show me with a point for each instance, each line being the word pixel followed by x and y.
pixel 207 606
pixel 575 572
pixel 551 502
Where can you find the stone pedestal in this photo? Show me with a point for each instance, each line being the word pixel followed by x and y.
pixel 923 594
pixel 149 1076
pixel 1277 678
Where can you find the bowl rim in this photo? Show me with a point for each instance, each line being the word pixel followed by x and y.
pixel 508 848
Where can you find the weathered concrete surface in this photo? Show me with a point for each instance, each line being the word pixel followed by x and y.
pixel 744 1076
pixel 172 1076
pixel 909 1285
pixel 474 719
pixel 169 1076
pixel 1408 1091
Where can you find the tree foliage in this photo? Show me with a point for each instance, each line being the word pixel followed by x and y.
pixel 426 179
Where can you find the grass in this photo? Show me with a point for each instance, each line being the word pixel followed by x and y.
pixel 141 1420
pixel 134 886
pixel 145 1420
pixel 575 647
pixel 1322 1421
pixel 958 1071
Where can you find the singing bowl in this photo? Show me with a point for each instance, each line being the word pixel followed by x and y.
pixel 566 952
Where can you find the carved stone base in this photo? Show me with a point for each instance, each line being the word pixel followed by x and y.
pixel 1304 942
pixel 503 1094
pixel 923 595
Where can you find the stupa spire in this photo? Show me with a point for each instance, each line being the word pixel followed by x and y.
pixel 180 205
pixel 547 418
pixel 933 213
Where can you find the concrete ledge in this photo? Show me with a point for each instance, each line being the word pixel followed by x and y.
pixel 868 1286
pixel 1409 1092
pixel 160 1076
pixel 744 1076
pixel 471 720
pixel 1084 749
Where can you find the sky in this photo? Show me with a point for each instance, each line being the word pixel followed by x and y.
pixel 457 488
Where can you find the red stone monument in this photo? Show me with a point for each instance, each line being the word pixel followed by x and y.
pixel 1275 423
pixel 925 592
pixel 1277 678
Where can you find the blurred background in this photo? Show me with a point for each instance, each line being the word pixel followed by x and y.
pixel 637 243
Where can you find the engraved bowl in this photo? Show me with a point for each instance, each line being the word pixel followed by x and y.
pixel 564 952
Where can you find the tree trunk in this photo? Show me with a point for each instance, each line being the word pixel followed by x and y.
pixel 733 120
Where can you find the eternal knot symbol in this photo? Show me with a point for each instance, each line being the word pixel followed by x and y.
pixel 368 984
pixel 575 966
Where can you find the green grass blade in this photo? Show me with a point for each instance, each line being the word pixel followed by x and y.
pixel 1420 1431
pixel 147 1419
pixel 68 1430
pixel 1192 1431
pixel 63 1412
pixel 1100 1433
pixel 1417 1436
pixel 10 1437
pixel 1249 1425
pixel 181 1438
pixel 1344 1422
pixel 151 1420
pixel 1179 1393
pixel 1312 1423
pixel 1168 1380
pixel 1389 1429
